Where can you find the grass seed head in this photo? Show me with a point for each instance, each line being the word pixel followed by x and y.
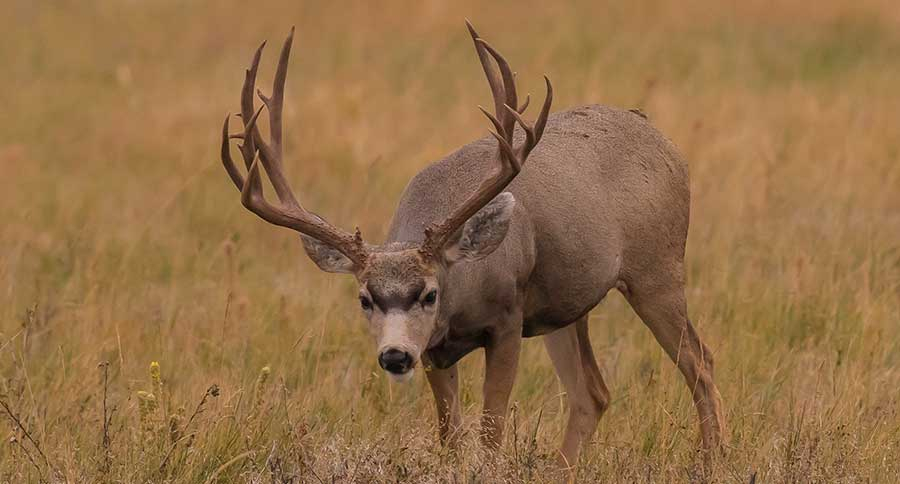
pixel 147 406
pixel 155 374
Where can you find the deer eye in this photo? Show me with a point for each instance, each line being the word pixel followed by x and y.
pixel 365 303
pixel 430 298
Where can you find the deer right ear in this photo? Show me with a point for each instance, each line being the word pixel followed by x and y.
pixel 326 257
pixel 483 232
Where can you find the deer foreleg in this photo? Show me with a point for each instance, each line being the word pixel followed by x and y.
pixel 445 387
pixel 501 362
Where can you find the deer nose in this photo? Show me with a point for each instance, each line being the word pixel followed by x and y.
pixel 395 361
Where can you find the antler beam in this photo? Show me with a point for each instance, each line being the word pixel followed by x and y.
pixel 255 150
pixel 510 158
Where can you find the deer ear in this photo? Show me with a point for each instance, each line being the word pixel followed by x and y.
pixel 483 232
pixel 326 257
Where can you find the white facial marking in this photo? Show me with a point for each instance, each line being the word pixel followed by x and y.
pixel 405 377
pixel 395 334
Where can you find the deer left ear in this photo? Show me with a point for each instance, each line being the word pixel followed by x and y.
pixel 326 257
pixel 483 232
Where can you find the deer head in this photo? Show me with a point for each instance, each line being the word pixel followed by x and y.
pixel 400 284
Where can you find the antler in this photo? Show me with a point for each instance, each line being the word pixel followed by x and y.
pixel 288 212
pixel 511 160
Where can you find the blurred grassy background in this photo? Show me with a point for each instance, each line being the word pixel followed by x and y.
pixel 124 242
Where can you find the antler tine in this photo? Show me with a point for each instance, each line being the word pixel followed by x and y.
pixel 507 114
pixel 529 130
pixel 493 119
pixel 248 148
pixel 232 170
pixel 256 151
pixel 524 105
pixel 226 148
pixel 509 89
pixel 541 121
pixel 276 102
pixel 270 154
pixel 494 81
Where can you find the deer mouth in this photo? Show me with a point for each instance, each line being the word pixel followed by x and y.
pixel 401 377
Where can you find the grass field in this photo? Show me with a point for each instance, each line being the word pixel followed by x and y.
pixel 124 243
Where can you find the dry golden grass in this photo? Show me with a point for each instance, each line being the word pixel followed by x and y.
pixel 123 241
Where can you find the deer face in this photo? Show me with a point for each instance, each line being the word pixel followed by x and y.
pixel 399 295
pixel 401 287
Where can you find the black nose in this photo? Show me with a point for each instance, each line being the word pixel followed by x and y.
pixel 395 361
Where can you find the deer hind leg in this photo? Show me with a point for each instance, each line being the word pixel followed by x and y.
pixel 570 350
pixel 660 302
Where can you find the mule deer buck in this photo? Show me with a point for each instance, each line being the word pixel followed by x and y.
pixel 602 203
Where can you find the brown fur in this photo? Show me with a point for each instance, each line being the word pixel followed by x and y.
pixel 603 202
